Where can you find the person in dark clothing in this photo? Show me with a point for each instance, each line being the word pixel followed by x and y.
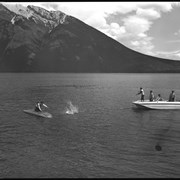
pixel 151 96
pixel 142 93
pixel 159 98
pixel 38 106
pixel 172 96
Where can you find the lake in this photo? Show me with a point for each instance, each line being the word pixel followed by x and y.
pixel 107 137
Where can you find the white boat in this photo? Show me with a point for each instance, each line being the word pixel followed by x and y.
pixel 157 104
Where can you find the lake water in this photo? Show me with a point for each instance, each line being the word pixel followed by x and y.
pixel 107 137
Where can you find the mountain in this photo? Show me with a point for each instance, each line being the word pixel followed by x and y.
pixel 33 39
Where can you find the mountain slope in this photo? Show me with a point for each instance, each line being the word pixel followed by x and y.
pixel 37 40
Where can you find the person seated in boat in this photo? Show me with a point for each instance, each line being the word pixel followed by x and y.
pixel 39 105
pixel 159 98
pixel 172 96
pixel 142 93
pixel 151 96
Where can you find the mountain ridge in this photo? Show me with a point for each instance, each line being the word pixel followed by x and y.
pixel 37 40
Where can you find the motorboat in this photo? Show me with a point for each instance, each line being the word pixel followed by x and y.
pixel 157 104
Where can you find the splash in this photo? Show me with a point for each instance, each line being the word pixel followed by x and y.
pixel 71 109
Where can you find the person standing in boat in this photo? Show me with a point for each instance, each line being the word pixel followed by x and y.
pixel 172 96
pixel 151 96
pixel 38 106
pixel 142 93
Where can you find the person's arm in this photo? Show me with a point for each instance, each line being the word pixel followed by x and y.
pixel 39 107
pixel 138 93
pixel 45 105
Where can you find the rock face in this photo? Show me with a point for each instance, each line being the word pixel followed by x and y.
pixel 33 39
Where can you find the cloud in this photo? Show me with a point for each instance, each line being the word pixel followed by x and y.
pixel 136 25
pixel 148 13
pixel 177 33
pixel 135 43
pixel 175 55
pixel 116 29
pixel 141 45
pixel 82 9
pixel 135 35
pixel 158 6
pixel 97 20
pixel 51 6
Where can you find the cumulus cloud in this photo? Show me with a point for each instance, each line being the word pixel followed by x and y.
pixel 97 20
pixel 114 30
pixel 136 25
pixel 148 13
pixel 135 43
pixel 159 6
pixel 134 34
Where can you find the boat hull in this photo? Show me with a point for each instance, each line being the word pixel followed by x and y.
pixel 40 114
pixel 157 104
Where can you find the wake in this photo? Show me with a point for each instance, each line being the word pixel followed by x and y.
pixel 71 109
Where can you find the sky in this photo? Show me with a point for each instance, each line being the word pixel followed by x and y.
pixel 151 28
